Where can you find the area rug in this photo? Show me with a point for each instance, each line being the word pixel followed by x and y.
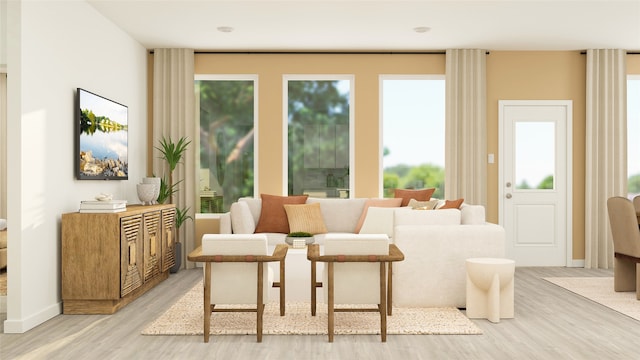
pixel 185 318
pixel 600 290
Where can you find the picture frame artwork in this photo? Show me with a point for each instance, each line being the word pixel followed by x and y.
pixel 101 138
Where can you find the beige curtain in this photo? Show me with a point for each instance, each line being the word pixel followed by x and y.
pixel 3 145
pixel 173 117
pixel 465 129
pixel 606 149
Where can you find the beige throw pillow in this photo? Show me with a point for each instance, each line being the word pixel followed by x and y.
pixel 305 218
pixel 422 205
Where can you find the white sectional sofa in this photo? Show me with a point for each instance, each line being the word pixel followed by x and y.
pixel 435 242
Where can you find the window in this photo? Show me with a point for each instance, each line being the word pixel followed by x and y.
pixel 318 118
pixel 633 135
pixel 413 118
pixel 226 163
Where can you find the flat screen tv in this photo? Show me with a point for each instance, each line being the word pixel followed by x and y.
pixel 101 138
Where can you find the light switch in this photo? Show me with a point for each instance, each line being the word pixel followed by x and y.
pixel 491 159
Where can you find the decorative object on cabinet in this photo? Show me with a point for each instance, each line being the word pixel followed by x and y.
pixel 110 259
pixel 156 182
pixel 146 193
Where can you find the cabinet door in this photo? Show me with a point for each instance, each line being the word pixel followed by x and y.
pixel 168 239
pixel 131 262
pixel 152 245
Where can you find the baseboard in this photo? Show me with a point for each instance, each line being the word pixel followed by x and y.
pixel 576 263
pixel 26 324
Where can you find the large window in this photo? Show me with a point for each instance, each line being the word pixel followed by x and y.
pixel 413 118
pixel 226 162
pixel 633 135
pixel 318 136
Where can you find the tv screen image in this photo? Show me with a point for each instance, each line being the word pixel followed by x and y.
pixel 101 142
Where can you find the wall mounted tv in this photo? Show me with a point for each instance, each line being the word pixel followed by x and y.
pixel 101 138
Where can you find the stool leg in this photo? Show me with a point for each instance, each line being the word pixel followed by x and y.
pixel 493 300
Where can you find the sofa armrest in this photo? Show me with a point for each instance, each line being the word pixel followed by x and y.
pixel 433 271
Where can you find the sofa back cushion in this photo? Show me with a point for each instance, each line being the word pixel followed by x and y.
pixel 427 217
pixel 340 215
pixel 242 221
pixel 472 214
pixel 255 205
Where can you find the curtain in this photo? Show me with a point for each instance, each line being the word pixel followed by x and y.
pixel 465 128
pixel 606 149
pixel 3 145
pixel 173 117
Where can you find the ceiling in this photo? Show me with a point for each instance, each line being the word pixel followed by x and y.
pixel 387 26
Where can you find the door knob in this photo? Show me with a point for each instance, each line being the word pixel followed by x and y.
pixel 508 184
pixel 508 196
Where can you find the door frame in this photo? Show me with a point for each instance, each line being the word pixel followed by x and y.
pixel 569 262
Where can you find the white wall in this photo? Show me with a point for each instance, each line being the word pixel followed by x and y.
pixel 53 48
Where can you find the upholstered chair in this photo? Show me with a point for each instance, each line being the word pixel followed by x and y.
pixel 626 244
pixel 355 273
pixel 236 272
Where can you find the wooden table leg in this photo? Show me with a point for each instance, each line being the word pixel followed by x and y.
pixel 389 289
pixel 282 287
pixel 313 288
pixel 383 302
pixel 207 300
pixel 330 301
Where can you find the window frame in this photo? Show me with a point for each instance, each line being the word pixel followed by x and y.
pixel 381 79
pixel 285 123
pixel 256 128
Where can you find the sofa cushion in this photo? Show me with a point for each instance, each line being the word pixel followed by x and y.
pixel 380 220
pixel 242 221
pixel 273 218
pixel 340 215
pixel 451 204
pixel 421 217
pixel 422 205
pixel 393 202
pixel 305 218
pixel 472 214
pixel 408 194
pixel 255 205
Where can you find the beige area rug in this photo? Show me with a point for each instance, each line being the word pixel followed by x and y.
pixel 600 290
pixel 185 318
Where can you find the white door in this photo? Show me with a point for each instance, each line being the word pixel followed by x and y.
pixel 535 181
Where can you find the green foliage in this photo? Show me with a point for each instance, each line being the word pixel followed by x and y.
pixel 634 184
pixel 172 152
pixel 414 177
pixel 226 136
pixel 182 215
pixel 546 183
pixel 299 234
pixel 166 190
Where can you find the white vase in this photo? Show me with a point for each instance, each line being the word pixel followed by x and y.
pixel 156 182
pixel 145 193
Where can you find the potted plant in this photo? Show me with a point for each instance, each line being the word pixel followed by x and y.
pixel 299 239
pixel 172 153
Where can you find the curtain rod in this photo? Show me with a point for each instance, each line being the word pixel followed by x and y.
pixel 322 52
pixel 628 53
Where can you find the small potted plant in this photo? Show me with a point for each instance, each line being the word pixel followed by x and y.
pixel 299 239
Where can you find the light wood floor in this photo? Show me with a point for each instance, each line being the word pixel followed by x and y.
pixel 550 323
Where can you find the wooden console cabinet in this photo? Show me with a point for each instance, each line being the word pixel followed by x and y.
pixel 110 259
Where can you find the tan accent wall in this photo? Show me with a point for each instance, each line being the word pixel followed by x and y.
pixel 271 68
pixel 553 75
pixel 517 75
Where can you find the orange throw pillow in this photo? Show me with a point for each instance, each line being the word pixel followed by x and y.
pixel 451 204
pixel 273 217
pixel 395 202
pixel 420 195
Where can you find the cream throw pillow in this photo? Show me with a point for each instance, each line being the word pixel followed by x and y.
pixel 305 218
pixel 422 205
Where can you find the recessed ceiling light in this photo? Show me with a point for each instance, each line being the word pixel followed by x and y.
pixel 226 29
pixel 421 29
